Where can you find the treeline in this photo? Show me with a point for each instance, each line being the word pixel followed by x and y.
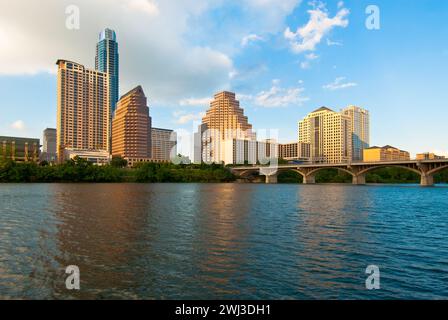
pixel 80 170
pixel 382 175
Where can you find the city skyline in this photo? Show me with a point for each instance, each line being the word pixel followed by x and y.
pixel 266 64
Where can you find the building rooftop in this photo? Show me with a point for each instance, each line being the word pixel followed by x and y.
pixel 137 90
pixel 322 109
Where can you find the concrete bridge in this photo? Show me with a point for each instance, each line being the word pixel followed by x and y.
pixel 358 170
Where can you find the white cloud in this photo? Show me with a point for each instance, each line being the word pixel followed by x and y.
pixel 277 96
pixel 338 84
pixel 250 38
pixel 18 125
pixel 154 49
pixel 195 101
pixel 181 117
pixel 333 43
pixel 307 37
pixel 305 65
pixel 146 6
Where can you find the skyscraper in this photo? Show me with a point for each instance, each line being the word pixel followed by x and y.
pixel 49 145
pixel 106 60
pixel 131 127
pixel 329 134
pixel 83 113
pixel 360 130
pixel 163 144
pixel 224 120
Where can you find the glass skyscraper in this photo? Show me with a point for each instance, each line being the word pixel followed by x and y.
pixel 106 60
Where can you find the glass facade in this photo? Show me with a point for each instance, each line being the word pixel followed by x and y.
pixel 106 60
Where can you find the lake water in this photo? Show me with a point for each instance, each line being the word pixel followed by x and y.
pixel 223 241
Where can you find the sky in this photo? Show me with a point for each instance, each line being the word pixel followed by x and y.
pixel 283 59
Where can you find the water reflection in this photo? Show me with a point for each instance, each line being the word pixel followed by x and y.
pixel 203 241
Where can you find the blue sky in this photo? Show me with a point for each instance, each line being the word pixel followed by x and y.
pixel 283 59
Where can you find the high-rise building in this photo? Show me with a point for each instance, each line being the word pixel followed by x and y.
pixel 49 145
pixel 224 120
pixel 360 130
pixel 83 113
pixel 19 149
pixel 131 127
pixel 163 143
pixel 106 60
pixel 328 132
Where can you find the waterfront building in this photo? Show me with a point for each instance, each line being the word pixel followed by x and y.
pixel 83 113
pixel 295 151
pixel 97 157
pixel 243 151
pixel 359 130
pixel 49 153
pixel 224 120
pixel 386 153
pixel 131 126
pixel 329 135
pixel 429 156
pixel 106 60
pixel 163 143
pixel 19 149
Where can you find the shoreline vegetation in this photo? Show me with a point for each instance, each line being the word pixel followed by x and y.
pixel 80 170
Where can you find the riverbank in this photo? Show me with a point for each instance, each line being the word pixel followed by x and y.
pixel 82 171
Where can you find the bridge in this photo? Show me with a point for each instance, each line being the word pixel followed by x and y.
pixel 358 170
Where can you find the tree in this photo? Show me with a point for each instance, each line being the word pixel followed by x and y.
pixel 118 162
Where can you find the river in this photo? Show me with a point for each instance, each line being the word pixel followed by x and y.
pixel 223 241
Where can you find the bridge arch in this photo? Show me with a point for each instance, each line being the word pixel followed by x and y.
pixel 246 173
pixel 314 171
pixel 437 170
pixel 280 170
pixel 364 171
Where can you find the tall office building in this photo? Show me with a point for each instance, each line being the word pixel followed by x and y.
pixel 49 145
pixel 328 132
pixel 83 113
pixel 163 144
pixel 224 120
pixel 360 130
pixel 131 127
pixel 106 60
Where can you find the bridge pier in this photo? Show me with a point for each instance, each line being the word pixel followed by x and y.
pixel 359 179
pixel 271 179
pixel 426 180
pixel 309 179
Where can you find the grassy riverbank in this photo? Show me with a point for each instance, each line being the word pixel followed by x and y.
pixel 82 171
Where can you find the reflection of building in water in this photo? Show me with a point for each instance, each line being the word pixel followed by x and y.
pixel 330 232
pixel 100 230
pixel 223 226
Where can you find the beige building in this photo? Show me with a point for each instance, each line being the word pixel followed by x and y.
pixel 164 144
pixel 295 151
pixel 386 153
pixel 83 113
pixel 360 130
pixel 19 149
pixel 239 151
pixel 429 156
pixel 329 135
pixel 131 126
pixel 224 120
